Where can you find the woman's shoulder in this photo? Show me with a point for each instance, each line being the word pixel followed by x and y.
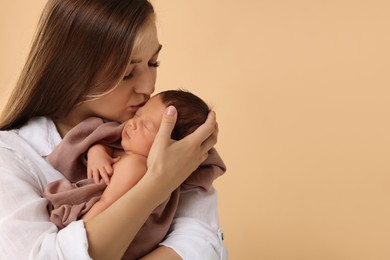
pixel 10 140
pixel 14 164
pixel 23 153
pixel 39 133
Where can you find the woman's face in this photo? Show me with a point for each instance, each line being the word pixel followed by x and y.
pixel 135 88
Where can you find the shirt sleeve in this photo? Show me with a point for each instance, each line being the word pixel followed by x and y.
pixel 195 232
pixel 25 229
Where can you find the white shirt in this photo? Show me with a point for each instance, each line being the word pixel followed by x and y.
pixel 26 231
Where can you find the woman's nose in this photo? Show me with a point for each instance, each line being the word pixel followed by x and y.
pixel 146 83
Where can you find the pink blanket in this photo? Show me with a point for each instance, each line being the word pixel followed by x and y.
pixel 72 197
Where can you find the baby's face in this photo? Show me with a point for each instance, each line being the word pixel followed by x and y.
pixel 139 132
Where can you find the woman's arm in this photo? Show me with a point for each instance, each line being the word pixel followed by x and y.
pixel 162 252
pixel 169 164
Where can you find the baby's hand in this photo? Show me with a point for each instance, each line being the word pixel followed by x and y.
pixel 101 169
pixel 99 164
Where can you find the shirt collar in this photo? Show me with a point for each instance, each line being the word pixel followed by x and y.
pixel 41 133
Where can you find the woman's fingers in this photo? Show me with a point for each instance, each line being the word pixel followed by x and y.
pixel 176 160
pixel 167 124
pixel 210 141
pixel 163 137
pixel 205 130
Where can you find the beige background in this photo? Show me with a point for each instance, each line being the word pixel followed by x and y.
pixel 301 90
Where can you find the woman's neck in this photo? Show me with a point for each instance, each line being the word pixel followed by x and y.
pixel 62 126
pixel 66 123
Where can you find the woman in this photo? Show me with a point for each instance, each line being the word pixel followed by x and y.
pixel 96 58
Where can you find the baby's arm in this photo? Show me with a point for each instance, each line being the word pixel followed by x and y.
pixel 100 160
pixel 128 171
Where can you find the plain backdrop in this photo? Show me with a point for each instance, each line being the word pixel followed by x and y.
pixel 301 91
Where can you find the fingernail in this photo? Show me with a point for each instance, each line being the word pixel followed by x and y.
pixel 171 111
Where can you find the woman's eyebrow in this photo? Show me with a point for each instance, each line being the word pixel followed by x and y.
pixel 155 53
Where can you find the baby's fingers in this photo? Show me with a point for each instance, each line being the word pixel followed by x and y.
pixel 104 173
pixel 96 176
pixel 108 170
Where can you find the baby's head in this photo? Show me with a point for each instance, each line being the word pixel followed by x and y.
pixel 191 111
pixel 139 132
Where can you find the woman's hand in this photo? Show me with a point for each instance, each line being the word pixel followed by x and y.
pixel 171 162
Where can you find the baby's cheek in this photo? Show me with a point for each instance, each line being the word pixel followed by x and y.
pixel 149 146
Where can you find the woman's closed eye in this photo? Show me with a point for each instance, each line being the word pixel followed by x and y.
pixel 128 76
pixel 154 64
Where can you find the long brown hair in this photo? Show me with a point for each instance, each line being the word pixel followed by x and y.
pixel 76 41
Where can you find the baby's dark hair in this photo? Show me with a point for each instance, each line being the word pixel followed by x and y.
pixel 192 111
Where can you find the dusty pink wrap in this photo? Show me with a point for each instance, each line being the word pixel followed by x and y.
pixel 72 197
